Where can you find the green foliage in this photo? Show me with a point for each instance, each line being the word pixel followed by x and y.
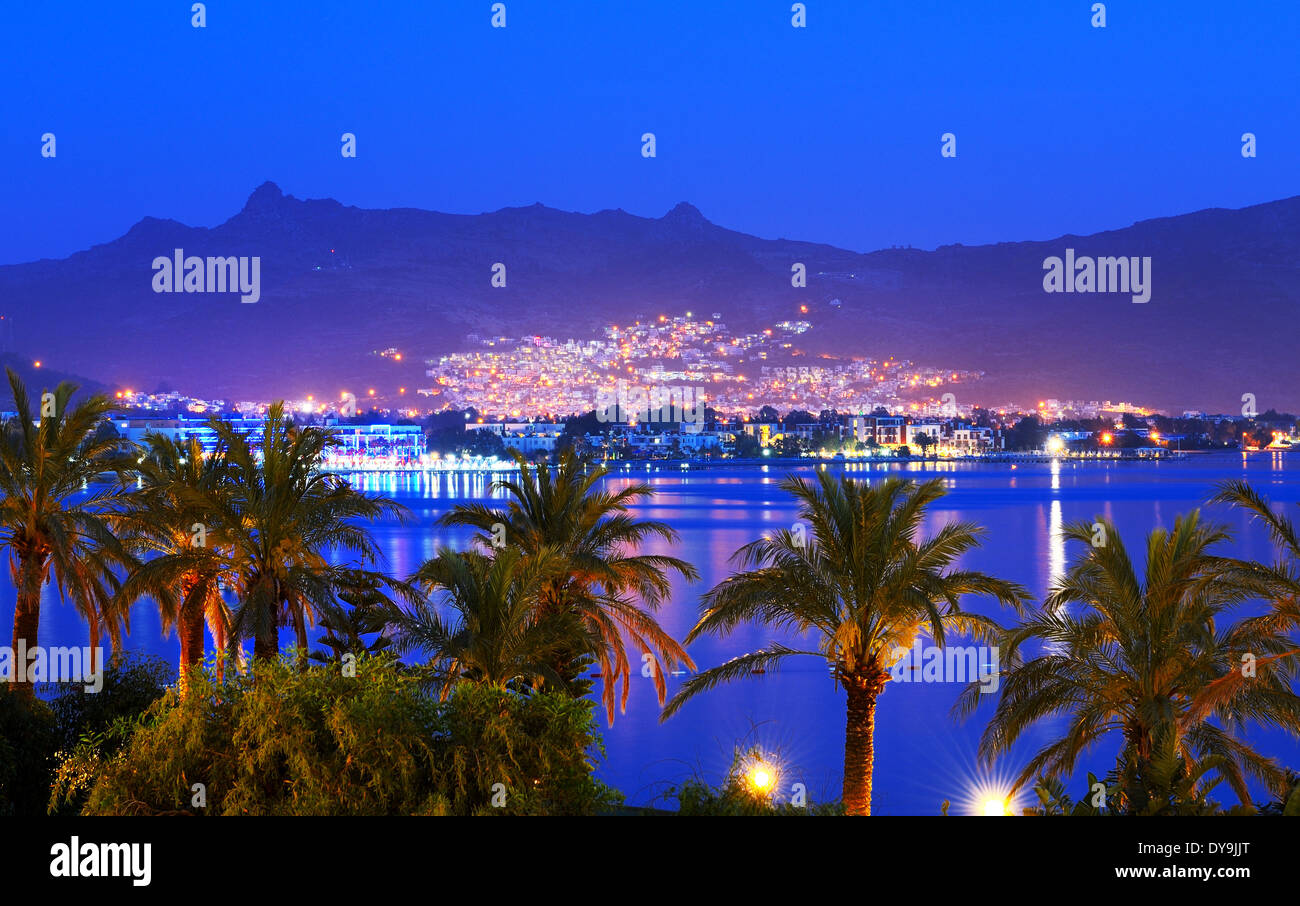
pixel 131 683
pixel 286 522
pixel 56 503
pixel 736 797
pixel 541 746
pixel 495 637
pixel 604 582
pixel 1115 654
pixel 363 609
pixel 92 726
pixel 1165 784
pixel 28 736
pixel 447 436
pixel 317 742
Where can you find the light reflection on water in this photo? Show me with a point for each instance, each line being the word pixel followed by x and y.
pixel 921 755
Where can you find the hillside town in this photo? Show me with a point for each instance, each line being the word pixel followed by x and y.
pixel 687 388
pixel 509 378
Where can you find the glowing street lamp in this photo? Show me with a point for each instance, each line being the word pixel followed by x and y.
pixel 995 807
pixel 761 778
pixel 1055 445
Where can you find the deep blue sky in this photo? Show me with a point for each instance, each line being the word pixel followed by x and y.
pixel 829 133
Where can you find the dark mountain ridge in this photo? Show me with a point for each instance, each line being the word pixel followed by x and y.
pixel 340 282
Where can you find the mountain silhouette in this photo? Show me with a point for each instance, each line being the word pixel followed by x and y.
pixel 340 283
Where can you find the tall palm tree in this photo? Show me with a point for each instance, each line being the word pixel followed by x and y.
pixel 606 584
pixel 61 475
pixel 282 519
pixel 495 637
pixel 174 517
pixel 864 582
pixel 1149 659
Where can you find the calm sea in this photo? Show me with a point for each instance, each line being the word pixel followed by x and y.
pixel 922 756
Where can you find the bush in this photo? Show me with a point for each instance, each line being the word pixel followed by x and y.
pixel 132 683
pixel 737 796
pixel 38 735
pixel 28 738
pixel 318 742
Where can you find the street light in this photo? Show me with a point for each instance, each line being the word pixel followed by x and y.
pixel 995 807
pixel 761 778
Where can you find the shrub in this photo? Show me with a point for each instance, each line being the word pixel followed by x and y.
pixel 28 738
pixel 319 742
pixel 736 796
pixel 91 726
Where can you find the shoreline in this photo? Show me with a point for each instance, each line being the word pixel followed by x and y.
pixel 689 465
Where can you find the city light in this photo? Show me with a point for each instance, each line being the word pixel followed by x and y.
pixel 1055 444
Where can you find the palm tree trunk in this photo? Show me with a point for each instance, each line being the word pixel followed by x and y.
pixel 266 645
pixel 219 643
pixel 859 733
pixel 191 633
pixel 27 620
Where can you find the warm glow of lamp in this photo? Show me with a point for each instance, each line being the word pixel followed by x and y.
pixel 1055 444
pixel 992 806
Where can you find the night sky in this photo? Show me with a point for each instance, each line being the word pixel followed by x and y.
pixel 829 133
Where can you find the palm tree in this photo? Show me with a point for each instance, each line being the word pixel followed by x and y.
pixel 56 509
pixel 864 582
pixel 174 517
pixel 282 519
pixel 610 588
pixel 495 638
pixel 1153 660
pixel 1278 581
pixel 363 608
